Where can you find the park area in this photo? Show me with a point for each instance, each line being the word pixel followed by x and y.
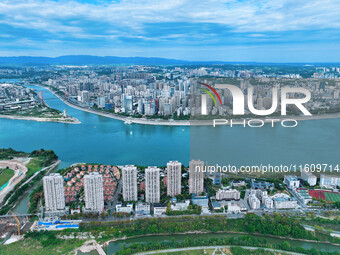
pixel 5 175
pixel 325 195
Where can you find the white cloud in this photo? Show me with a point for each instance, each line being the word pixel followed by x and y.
pixel 244 16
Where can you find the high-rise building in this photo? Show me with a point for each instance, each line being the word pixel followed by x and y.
pixel 196 177
pixel 129 183
pixel 101 102
pixel 152 188
pixel 85 96
pixel 94 194
pixel 54 193
pixel 174 175
pixel 128 104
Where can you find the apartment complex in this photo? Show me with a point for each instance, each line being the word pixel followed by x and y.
pixel 196 177
pixel 329 180
pixel 174 175
pixel 308 177
pixel 129 179
pixel 231 194
pixel 152 185
pixel 94 195
pixel 54 194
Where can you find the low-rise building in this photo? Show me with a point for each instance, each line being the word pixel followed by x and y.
pixel 215 205
pixel 261 185
pixel 228 194
pixel 291 181
pixel 180 206
pixel 303 195
pixel 233 208
pixel 159 209
pixel 283 201
pixel 202 201
pixel 238 183
pixel 142 209
pixel 124 208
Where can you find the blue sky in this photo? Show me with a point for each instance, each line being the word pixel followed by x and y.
pixel 225 30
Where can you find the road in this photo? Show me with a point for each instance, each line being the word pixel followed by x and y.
pixel 115 199
pixel 311 228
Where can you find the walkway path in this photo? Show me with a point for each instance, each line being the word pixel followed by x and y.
pixel 20 171
pixel 214 247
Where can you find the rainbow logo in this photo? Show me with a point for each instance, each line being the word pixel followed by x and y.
pixel 209 93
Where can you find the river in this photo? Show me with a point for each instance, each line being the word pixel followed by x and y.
pixel 113 247
pixel 108 141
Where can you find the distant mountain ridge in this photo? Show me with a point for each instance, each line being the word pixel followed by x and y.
pixel 90 60
pixel 113 60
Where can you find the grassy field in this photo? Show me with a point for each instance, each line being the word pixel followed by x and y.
pixel 5 175
pixel 37 111
pixel 31 246
pixel 333 197
pixel 34 165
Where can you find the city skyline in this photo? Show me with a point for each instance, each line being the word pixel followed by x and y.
pixel 246 31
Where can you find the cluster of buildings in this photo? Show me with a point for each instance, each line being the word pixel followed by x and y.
pixel 173 181
pixel 98 183
pixel 169 91
pixel 13 97
pixel 133 90
pixel 303 195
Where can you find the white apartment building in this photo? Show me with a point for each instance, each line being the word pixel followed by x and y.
pixel 329 180
pixel 94 194
pixel 262 195
pixel 129 178
pixel 230 194
pixel 291 181
pixel 174 175
pixel 254 202
pixel 196 177
pixel 152 186
pixel 54 194
pixel 308 177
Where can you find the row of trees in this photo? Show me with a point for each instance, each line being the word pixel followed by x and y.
pixel 276 225
pixel 239 241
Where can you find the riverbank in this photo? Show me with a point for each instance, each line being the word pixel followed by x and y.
pixel 144 121
pixel 70 120
pixel 88 245
pixel 219 232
